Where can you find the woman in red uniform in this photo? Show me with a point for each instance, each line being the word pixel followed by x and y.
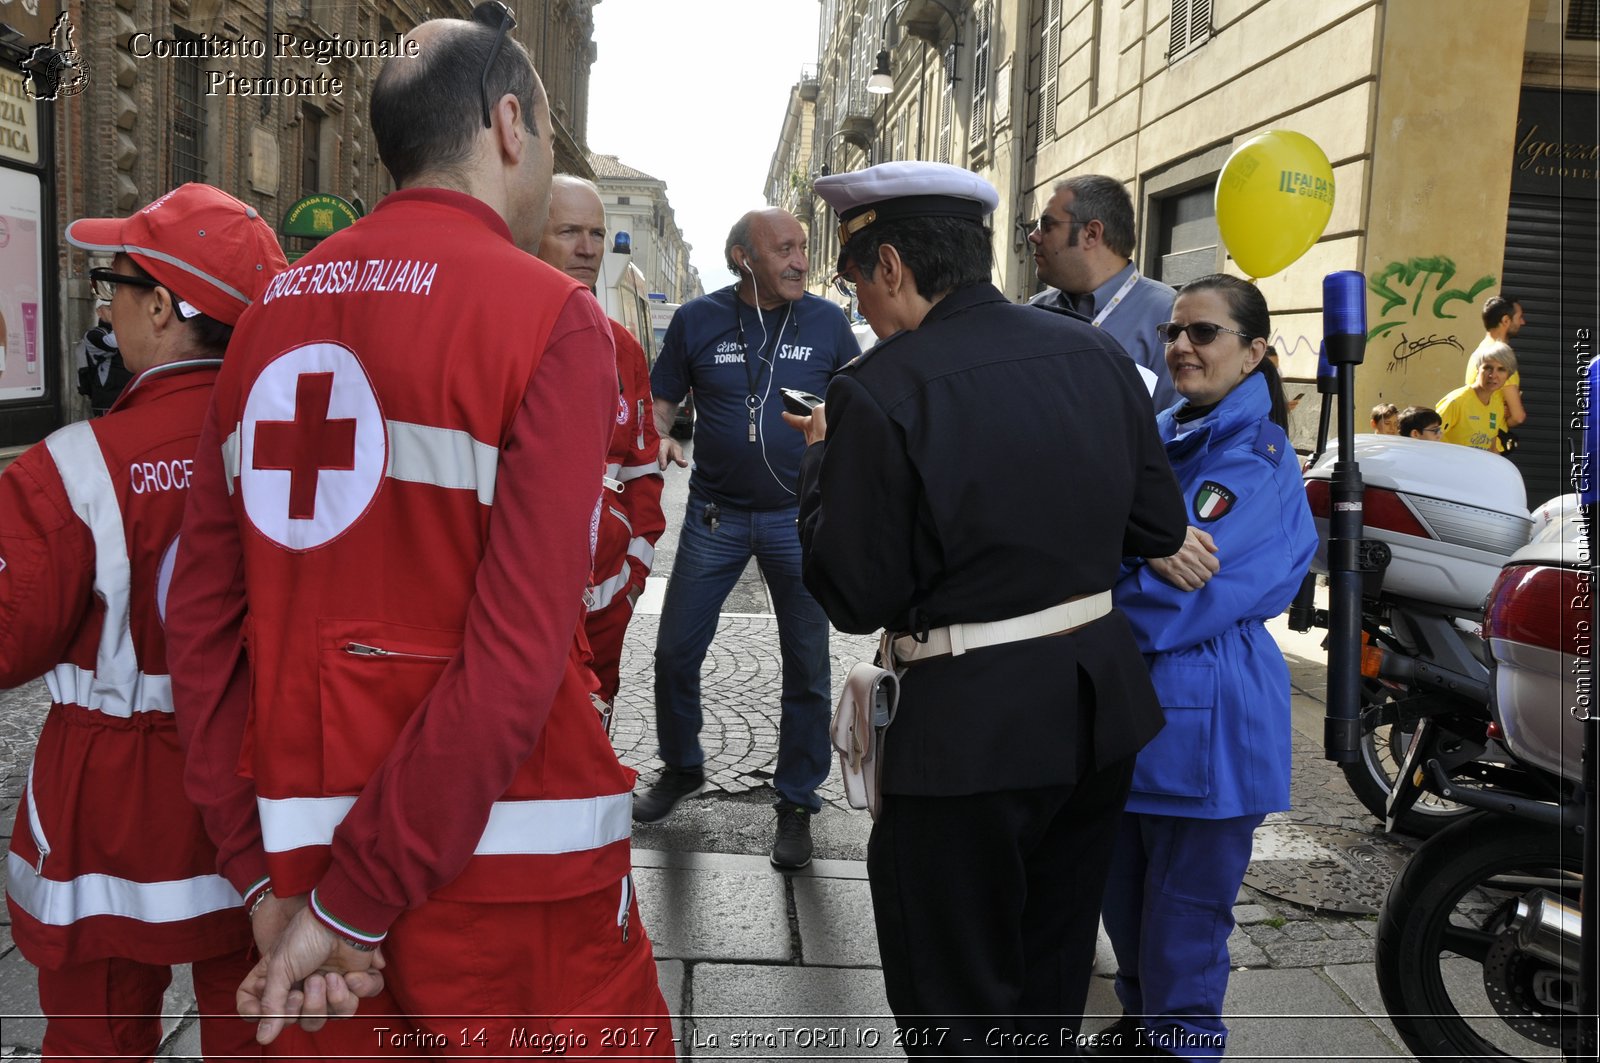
pixel 111 878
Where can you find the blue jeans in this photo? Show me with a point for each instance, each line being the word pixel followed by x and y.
pixel 707 565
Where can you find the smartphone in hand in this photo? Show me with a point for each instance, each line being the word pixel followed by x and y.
pixel 799 403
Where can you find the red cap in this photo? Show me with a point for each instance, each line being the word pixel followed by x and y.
pixel 210 249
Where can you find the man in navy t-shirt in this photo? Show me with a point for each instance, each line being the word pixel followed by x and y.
pixel 735 348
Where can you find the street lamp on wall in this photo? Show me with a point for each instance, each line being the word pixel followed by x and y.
pixel 882 81
pixel 850 136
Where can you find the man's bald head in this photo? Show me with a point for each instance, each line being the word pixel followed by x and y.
pixel 766 249
pixel 427 110
pixel 575 231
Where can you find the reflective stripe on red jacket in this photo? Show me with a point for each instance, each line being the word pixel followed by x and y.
pixel 631 519
pixel 108 857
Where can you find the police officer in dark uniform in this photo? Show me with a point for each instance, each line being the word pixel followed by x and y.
pixel 973 483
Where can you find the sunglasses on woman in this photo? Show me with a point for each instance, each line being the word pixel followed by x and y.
pixel 1200 332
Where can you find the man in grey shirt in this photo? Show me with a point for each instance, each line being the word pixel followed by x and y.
pixel 1082 244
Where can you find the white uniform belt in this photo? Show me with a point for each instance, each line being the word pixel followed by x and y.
pixel 959 638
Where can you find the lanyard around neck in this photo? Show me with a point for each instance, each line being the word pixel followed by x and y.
pixel 1122 292
pixel 752 367
pixel 752 364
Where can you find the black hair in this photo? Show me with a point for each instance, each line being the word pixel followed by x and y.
pixel 1248 308
pixel 209 334
pixel 427 110
pixel 1417 418
pixel 941 254
pixel 1096 197
pixel 1279 413
pixel 1497 307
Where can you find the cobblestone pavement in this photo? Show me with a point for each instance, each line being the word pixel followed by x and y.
pixel 740 688
pixel 1305 847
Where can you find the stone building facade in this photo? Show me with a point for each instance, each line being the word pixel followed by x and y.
pixel 266 99
pixel 636 203
pixel 1461 135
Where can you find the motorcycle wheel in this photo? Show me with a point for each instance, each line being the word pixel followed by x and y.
pixel 1383 750
pixel 1453 979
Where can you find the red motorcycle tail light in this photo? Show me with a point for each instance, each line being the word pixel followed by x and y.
pixel 1542 606
pixel 1317 498
pixel 1386 510
pixel 1383 509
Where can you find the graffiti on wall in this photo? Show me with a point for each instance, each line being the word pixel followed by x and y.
pixel 1421 309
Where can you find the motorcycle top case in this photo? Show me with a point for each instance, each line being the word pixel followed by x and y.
pixel 1450 515
pixel 1536 686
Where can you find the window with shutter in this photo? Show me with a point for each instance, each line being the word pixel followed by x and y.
pixel 1049 71
pixel 946 114
pixel 858 50
pixel 1583 20
pixel 187 160
pixel 1189 27
pixel 978 128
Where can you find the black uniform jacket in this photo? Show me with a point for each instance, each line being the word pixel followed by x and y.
pixel 995 461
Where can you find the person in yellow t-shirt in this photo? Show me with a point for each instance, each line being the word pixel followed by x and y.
pixel 1474 416
pixel 1502 319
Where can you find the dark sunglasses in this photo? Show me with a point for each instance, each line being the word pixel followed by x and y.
pixel 498 15
pixel 103 283
pixel 843 287
pixel 1200 332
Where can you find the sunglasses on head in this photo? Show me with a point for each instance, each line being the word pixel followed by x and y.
pixel 496 14
pixel 1200 332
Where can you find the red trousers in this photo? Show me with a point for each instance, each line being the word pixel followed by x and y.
pixel 605 631
pixel 111 1009
pixel 507 981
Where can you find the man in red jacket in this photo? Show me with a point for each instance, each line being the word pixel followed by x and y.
pixel 630 513
pixel 111 877
pixel 375 615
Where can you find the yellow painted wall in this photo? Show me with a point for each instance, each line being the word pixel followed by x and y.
pixel 1442 138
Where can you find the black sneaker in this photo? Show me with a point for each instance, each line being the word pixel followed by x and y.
pixel 670 787
pixel 791 847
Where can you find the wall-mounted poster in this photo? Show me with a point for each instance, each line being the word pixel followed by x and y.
pixel 22 372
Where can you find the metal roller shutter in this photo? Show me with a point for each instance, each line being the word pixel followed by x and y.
pixel 1552 265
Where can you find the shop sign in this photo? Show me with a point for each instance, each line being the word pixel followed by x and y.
pixel 1557 152
pixel 19 120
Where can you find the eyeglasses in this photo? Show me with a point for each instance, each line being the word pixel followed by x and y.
pixel 843 287
pixel 496 14
pixel 1433 430
pixel 103 283
pixel 1200 332
pixel 1044 224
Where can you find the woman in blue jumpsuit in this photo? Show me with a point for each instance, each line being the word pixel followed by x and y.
pixel 1221 763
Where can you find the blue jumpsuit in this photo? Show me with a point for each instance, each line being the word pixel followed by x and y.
pixel 1203 785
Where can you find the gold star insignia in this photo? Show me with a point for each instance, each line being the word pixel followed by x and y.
pixel 1272 448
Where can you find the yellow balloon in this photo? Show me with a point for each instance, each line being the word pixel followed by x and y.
pixel 1274 196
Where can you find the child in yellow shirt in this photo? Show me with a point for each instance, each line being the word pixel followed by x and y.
pixel 1475 415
